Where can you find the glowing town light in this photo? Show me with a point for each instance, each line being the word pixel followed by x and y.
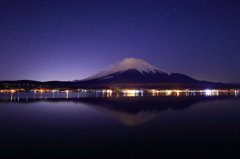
pixel 131 92
pixel 177 92
pixel 236 93
pixel 168 92
pixel 208 92
pixel 154 91
pixel 136 91
pixel 109 91
pixel 66 93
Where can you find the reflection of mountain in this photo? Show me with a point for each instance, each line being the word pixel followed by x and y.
pixel 139 110
pixel 129 119
pixel 135 110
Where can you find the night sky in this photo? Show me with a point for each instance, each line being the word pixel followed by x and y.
pixel 72 39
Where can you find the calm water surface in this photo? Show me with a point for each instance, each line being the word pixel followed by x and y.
pixel 119 124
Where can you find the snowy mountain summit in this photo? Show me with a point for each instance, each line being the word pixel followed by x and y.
pixel 126 65
pixel 138 64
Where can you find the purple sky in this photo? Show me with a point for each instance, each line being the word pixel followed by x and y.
pixel 66 40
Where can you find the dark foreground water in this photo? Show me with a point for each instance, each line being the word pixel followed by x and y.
pixel 116 125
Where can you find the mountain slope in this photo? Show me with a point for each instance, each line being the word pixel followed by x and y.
pixel 128 64
pixel 137 71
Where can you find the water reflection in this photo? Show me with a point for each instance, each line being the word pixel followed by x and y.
pixel 236 93
pixel 91 122
pixel 127 118
pixel 140 110
pixel 130 111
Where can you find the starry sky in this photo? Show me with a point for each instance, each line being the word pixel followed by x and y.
pixel 72 39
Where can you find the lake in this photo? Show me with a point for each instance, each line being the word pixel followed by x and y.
pixel 119 125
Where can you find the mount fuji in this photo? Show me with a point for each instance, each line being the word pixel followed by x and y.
pixel 137 73
pixel 128 64
pixel 130 73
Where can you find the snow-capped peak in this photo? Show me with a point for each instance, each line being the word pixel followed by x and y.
pixel 126 64
pixel 138 64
